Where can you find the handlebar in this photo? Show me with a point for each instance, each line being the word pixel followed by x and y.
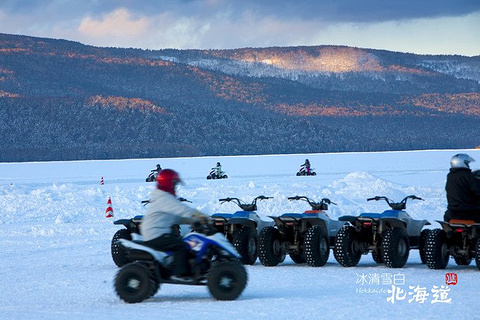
pixel 396 205
pixel 322 205
pixel 145 202
pixel 245 206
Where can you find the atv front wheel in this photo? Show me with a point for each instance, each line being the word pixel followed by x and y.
pixel 245 240
pixel 119 253
pixel 395 247
pixel 346 250
pixel 436 249
pixel 270 247
pixel 317 248
pixel 226 280
pixel 134 283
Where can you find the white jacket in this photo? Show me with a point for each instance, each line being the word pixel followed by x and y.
pixel 163 211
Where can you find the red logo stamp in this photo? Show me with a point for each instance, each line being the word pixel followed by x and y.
pixel 451 278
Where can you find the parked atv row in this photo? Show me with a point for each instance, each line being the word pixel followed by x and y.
pixel 218 249
pixel 307 237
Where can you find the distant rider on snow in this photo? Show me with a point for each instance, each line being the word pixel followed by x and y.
pixel 306 165
pixel 157 169
pixel 218 170
pixel 163 213
pixel 463 190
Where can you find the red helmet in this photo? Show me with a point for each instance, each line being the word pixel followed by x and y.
pixel 167 180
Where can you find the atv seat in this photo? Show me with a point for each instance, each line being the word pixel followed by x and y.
pixel 385 214
pixel 461 221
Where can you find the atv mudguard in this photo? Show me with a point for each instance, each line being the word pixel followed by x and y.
pixel 448 227
pixel 245 218
pixel 358 221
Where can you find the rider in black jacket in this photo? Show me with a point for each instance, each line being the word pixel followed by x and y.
pixel 463 190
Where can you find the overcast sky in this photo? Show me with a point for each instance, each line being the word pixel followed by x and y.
pixel 418 26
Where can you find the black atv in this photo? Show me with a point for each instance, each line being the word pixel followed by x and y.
pixel 457 238
pixel 242 227
pixel 389 236
pixel 213 175
pixel 130 232
pixel 303 172
pixel 305 237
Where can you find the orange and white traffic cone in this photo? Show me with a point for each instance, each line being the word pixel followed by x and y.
pixel 102 182
pixel 109 210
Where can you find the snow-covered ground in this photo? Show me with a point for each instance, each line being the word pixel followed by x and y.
pixel 55 239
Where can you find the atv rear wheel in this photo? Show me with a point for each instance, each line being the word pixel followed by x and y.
pixel 421 245
pixel 270 247
pixel 377 256
pixel 245 241
pixel 477 253
pixel 346 250
pixel 395 247
pixel 436 249
pixel 119 253
pixel 134 283
pixel 226 280
pixel 317 248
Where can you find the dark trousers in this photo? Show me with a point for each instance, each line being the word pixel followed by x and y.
pixel 169 242
pixel 465 215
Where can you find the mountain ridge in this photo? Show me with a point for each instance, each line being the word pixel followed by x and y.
pixel 125 102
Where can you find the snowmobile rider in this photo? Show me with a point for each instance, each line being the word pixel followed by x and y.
pixel 164 212
pixel 463 190
pixel 218 170
pixel 157 169
pixel 306 165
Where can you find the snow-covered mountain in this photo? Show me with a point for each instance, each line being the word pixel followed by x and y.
pixel 98 103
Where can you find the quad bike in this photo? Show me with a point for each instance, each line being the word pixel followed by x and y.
pixel 389 236
pixel 152 176
pixel 213 174
pixel 303 172
pixel 305 237
pixel 213 263
pixel 457 238
pixel 131 231
pixel 241 228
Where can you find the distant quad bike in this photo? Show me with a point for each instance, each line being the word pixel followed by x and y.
pixel 303 172
pixel 305 237
pixel 213 175
pixel 131 231
pixel 457 238
pixel 389 236
pixel 213 263
pixel 152 176
pixel 242 227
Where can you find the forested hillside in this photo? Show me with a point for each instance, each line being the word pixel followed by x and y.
pixel 61 100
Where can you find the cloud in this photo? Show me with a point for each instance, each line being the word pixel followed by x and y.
pixel 365 10
pixel 118 23
pixel 402 25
